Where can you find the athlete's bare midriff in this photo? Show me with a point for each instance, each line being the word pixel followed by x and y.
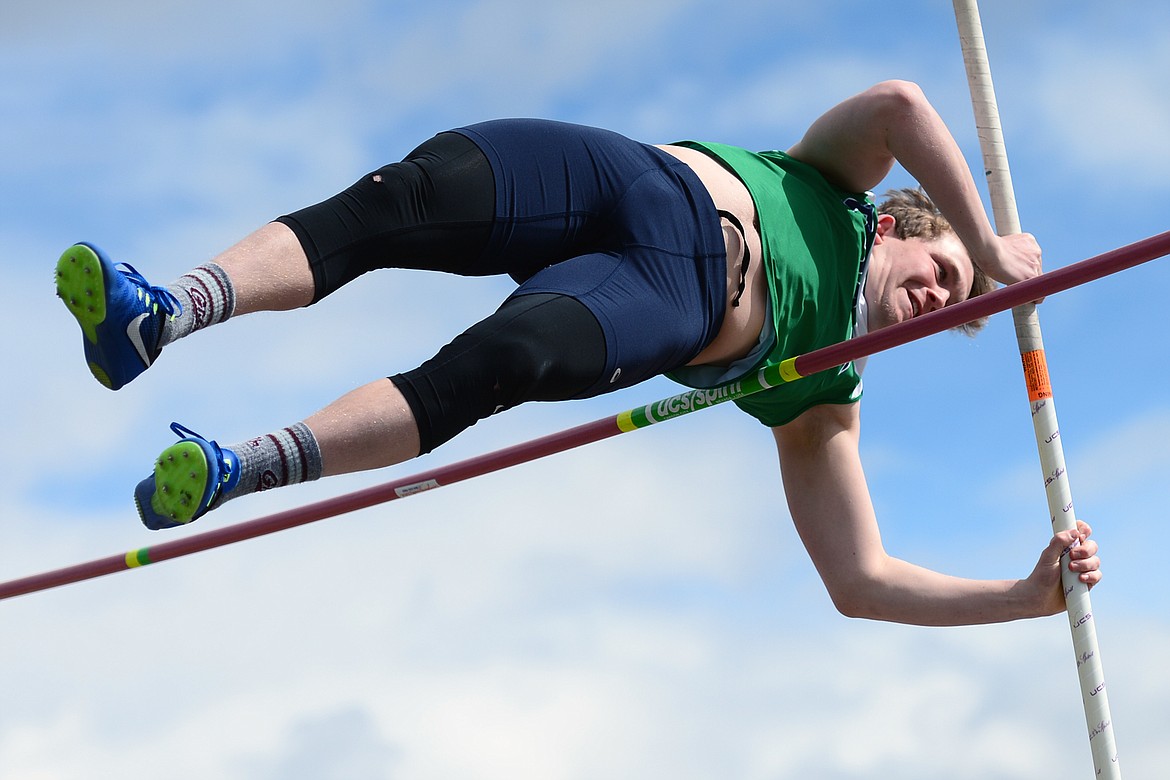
pixel 740 330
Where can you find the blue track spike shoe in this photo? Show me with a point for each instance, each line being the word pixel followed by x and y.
pixel 120 313
pixel 189 479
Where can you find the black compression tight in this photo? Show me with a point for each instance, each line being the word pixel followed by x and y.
pixel 434 211
pixel 539 347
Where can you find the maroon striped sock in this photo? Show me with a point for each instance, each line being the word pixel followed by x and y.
pixel 208 298
pixel 284 457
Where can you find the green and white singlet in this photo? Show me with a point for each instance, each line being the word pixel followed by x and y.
pixel 816 242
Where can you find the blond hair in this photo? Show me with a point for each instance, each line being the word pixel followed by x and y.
pixel 916 216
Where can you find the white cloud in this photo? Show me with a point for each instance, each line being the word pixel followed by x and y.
pixel 1104 106
pixel 1127 458
pixel 1122 461
pixel 684 695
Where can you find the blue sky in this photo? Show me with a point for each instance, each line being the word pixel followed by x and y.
pixel 637 608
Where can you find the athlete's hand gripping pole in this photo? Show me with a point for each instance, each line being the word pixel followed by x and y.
pixel 1027 322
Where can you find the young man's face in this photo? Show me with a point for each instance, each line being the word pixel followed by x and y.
pixel 910 277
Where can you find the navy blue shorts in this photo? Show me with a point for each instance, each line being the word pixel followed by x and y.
pixel 621 226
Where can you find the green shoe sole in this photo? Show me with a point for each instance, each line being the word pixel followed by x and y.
pixel 180 481
pixel 82 287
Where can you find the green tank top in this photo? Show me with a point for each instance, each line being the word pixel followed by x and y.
pixel 816 242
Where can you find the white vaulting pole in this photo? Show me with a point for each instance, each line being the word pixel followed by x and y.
pixel 1056 484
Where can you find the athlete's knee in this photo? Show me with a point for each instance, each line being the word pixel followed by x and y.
pixel 551 350
pixel 534 348
pixel 431 211
pixel 471 379
pixel 524 370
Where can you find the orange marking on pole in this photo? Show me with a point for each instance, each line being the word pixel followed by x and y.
pixel 1036 375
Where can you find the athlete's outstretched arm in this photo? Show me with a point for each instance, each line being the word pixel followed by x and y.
pixel 855 144
pixel 831 507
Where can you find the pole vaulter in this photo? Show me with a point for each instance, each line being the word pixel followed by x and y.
pixel 675 406
pixel 1040 396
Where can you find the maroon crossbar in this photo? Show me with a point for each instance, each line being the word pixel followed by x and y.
pixel 878 341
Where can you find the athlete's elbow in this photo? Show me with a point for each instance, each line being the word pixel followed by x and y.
pixel 897 94
pixel 847 599
pixel 857 596
pixel 852 603
pixel 896 104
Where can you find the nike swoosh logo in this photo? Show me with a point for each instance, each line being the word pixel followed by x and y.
pixel 134 333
